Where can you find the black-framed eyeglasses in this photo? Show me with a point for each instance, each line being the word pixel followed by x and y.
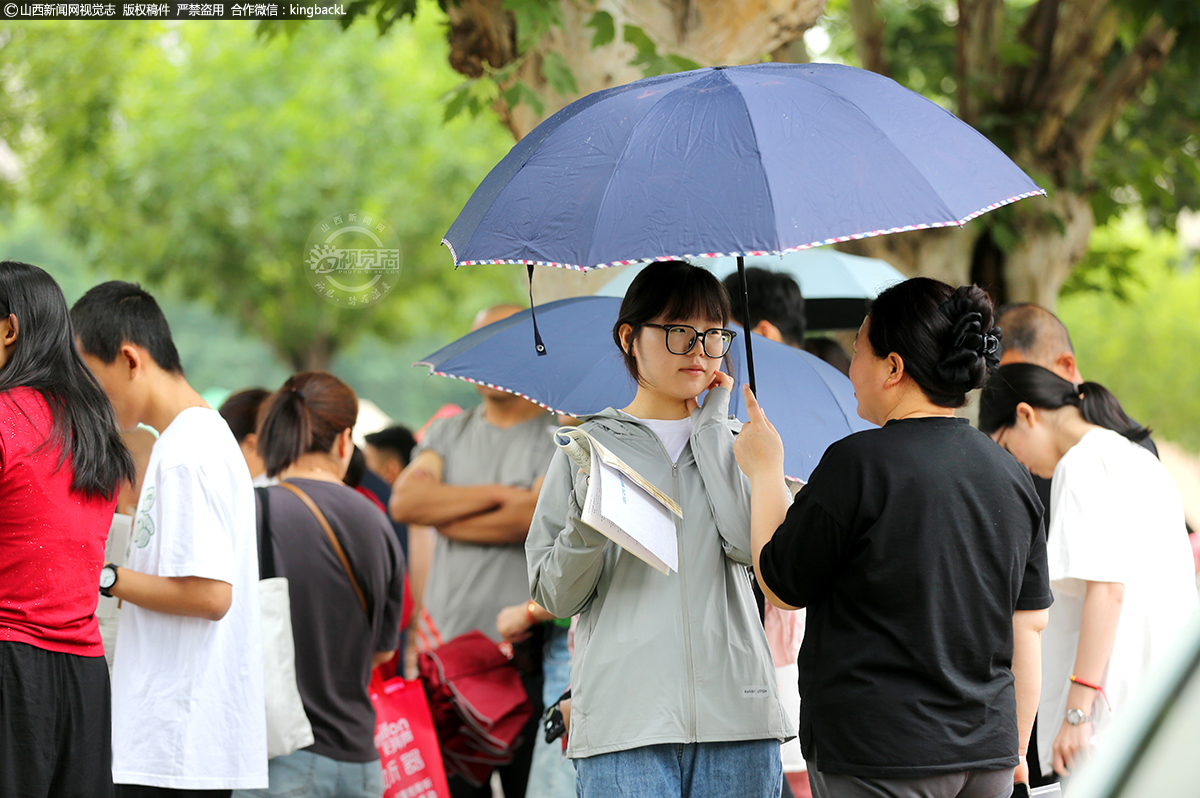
pixel 681 339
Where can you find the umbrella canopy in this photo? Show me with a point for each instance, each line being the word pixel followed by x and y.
pixel 812 404
pixel 837 287
pixel 745 160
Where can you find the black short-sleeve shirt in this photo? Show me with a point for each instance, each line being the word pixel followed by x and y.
pixel 335 639
pixel 911 546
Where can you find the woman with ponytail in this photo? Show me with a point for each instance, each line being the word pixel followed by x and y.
pixel 304 440
pixel 62 462
pixel 919 552
pixel 1119 560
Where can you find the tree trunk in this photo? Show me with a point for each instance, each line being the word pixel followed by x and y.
pixel 709 32
pixel 1045 253
pixel 311 355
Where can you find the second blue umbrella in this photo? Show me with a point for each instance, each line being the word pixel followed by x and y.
pixel 811 403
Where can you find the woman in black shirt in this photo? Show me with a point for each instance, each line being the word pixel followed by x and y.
pixel 919 552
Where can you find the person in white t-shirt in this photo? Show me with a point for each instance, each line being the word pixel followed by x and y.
pixel 188 703
pixel 1119 558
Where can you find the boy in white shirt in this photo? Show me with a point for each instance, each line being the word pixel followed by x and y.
pixel 188 705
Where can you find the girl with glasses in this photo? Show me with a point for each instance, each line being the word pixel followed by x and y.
pixel 673 688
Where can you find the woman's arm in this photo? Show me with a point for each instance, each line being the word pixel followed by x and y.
pixel 1097 630
pixel 565 556
pixel 1027 677
pixel 769 502
pixel 759 452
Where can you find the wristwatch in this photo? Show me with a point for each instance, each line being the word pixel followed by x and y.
pixel 1076 717
pixel 108 578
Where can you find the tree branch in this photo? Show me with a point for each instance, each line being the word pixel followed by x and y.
pixel 1085 36
pixel 868 40
pixel 1105 104
pixel 977 35
pixel 1037 33
pixel 481 31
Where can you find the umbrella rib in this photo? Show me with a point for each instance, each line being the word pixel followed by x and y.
pixel 608 185
pixel 896 149
pixel 758 152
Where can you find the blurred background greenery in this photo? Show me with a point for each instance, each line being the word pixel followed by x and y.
pixel 1140 338
pixel 197 158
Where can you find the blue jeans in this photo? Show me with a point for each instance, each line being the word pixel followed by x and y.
pixel 749 769
pixel 308 775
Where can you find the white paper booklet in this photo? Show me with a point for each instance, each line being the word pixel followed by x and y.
pixel 622 504
pixel 1049 791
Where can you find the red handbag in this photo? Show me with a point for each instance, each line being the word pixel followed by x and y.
pixel 405 738
pixel 477 702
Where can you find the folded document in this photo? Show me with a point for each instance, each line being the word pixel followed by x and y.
pixel 622 504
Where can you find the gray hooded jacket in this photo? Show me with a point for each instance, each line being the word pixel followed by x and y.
pixel 677 658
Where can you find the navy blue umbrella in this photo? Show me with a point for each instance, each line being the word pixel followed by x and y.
pixel 745 160
pixel 812 404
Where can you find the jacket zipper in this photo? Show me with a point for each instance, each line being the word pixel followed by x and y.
pixel 687 618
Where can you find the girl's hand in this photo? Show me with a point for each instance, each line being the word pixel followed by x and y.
pixel 1071 746
pixel 720 380
pixel 758 448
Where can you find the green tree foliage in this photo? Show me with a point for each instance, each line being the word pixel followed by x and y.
pixel 219 357
pixel 201 157
pixel 1142 348
pixel 1095 99
pixel 1148 155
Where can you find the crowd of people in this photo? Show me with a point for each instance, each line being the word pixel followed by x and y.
pixel 942 610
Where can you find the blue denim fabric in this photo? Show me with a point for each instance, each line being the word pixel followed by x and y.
pixel 552 775
pixel 308 775
pixel 700 770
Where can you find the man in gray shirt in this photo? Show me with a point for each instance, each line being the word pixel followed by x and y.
pixel 475 477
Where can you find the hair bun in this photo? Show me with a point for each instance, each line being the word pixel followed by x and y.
pixel 967 342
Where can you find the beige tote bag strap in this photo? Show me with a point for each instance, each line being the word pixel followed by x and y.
pixel 337 546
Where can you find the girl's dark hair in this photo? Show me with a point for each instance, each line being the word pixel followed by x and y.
pixel 1041 388
pixel 240 411
pixel 305 415
pixel 44 358
pixel 673 290
pixel 944 334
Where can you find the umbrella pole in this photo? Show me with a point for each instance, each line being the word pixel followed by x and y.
pixel 741 264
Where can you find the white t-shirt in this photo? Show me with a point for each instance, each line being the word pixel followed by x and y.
pixel 674 433
pixel 188 706
pixel 1116 517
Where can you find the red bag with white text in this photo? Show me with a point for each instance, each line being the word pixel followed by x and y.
pixel 407 743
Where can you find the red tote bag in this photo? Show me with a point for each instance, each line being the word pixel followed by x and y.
pixel 407 743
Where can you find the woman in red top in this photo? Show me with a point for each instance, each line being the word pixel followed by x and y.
pixel 62 461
